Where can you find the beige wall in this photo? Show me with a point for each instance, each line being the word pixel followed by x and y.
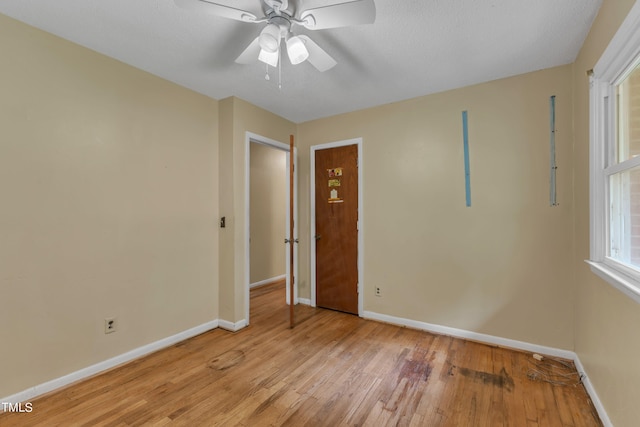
pixel 499 267
pixel 108 191
pixel 237 117
pixel 112 181
pixel 268 212
pixel 606 335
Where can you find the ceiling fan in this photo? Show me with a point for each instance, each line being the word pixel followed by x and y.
pixel 280 18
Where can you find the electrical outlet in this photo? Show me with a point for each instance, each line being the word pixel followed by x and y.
pixel 110 325
pixel 378 293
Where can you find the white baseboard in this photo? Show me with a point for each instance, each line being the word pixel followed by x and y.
pixel 592 394
pixel 267 281
pixel 304 301
pixel 501 342
pixel 57 383
pixel 474 336
pixel 231 326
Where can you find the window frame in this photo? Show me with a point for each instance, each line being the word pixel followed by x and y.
pixel 617 61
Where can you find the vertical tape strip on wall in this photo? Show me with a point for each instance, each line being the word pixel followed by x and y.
pixel 552 147
pixel 467 174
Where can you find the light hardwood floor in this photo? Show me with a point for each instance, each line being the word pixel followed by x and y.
pixel 332 369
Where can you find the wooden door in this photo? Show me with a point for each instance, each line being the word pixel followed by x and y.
pixel 336 188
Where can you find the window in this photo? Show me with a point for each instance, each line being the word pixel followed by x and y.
pixel 624 174
pixel 615 160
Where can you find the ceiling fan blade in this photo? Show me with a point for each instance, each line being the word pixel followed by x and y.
pixel 217 10
pixel 250 54
pixel 339 15
pixel 317 56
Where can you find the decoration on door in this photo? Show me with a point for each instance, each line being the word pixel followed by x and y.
pixel 333 183
pixel 334 172
pixel 333 197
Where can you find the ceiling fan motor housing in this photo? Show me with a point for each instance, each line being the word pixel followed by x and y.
pixel 277 28
pixel 283 22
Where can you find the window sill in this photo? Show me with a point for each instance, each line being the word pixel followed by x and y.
pixel 622 282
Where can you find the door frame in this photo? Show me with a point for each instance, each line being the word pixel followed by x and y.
pixel 259 139
pixel 312 243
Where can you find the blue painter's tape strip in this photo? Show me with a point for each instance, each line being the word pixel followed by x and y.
pixel 467 174
pixel 552 155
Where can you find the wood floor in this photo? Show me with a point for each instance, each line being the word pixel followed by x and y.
pixel 332 369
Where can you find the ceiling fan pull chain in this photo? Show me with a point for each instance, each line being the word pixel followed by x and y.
pixel 266 73
pixel 279 70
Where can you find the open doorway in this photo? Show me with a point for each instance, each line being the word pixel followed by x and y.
pixel 267 215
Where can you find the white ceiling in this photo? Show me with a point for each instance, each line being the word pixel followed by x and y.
pixel 415 47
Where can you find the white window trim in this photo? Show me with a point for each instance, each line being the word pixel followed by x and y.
pixel 614 64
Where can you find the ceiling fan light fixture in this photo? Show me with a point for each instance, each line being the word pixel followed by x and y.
pixel 296 50
pixel 270 38
pixel 270 58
